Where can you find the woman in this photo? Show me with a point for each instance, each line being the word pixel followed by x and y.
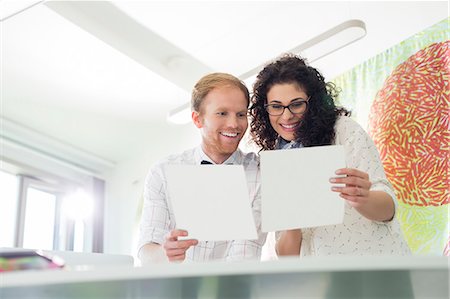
pixel 293 107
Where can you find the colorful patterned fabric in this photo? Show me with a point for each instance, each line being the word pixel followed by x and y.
pixel 403 96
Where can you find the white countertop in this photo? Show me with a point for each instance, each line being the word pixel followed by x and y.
pixel 285 265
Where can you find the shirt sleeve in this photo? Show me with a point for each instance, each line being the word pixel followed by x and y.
pixel 155 220
pixel 361 153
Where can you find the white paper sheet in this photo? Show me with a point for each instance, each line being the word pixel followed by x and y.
pixel 295 187
pixel 211 202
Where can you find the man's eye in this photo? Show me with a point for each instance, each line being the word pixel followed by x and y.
pixel 221 113
pixel 242 115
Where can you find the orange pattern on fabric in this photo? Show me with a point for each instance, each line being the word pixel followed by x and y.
pixel 409 122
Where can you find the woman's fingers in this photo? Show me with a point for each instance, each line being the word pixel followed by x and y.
pixel 353 178
pixel 352 172
pixel 352 181
pixel 351 191
pixel 354 186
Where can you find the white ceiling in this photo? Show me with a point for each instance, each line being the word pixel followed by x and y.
pixel 67 83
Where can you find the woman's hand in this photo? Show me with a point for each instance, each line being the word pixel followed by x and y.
pixel 374 205
pixel 357 186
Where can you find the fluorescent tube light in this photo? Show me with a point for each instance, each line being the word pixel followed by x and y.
pixel 314 49
pixel 9 9
pixel 332 40
pixel 324 44
pixel 180 115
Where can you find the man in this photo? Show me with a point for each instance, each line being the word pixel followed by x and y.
pixel 219 109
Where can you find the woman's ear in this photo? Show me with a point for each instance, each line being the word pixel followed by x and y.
pixel 196 118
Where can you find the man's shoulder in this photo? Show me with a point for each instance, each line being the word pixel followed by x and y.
pixel 185 157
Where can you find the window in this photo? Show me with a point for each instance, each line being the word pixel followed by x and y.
pixel 39 226
pixel 8 210
pixel 39 214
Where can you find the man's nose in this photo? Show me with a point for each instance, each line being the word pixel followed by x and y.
pixel 233 121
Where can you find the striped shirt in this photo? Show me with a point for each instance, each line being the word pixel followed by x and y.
pixel 158 219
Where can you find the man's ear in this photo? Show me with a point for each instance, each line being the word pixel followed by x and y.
pixel 196 118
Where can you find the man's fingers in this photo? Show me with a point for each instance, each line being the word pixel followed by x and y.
pixel 177 258
pixel 175 252
pixel 185 244
pixel 176 249
pixel 175 233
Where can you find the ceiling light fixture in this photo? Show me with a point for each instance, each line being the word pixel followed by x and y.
pixel 11 8
pixel 332 40
pixel 180 115
pixel 324 44
pixel 314 49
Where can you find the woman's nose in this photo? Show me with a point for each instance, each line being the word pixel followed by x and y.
pixel 287 114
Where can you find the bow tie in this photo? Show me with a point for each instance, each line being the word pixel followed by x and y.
pixel 205 162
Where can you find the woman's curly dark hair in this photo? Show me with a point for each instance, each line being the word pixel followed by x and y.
pixel 317 124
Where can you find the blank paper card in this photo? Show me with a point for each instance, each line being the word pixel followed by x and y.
pixel 295 187
pixel 211 202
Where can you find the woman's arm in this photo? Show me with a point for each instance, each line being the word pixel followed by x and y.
pixel 374 205
pixel 366 186
pixel 379 207
pixel 289 242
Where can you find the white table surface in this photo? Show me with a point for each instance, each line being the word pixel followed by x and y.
pixel 285 265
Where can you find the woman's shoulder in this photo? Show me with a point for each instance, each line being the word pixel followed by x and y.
pixel 349 124
pixel 348 129
pixel 346 122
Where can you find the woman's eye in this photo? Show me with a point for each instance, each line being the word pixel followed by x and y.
pixel 274 106
pixel 297 105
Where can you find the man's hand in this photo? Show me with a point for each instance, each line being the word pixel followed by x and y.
pixel 176 249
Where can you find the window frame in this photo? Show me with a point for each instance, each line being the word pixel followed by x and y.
pixel 64 230
pixel 25 183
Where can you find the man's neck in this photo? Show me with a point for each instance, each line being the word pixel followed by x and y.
pixel 214 156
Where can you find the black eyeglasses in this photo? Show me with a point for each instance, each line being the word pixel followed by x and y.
pixel 297 107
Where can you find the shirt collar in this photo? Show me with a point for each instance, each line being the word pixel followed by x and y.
pixel 284 144
pixel 235 158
